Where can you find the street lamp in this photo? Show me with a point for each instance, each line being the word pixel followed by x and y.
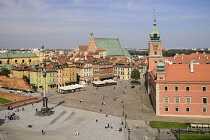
pixel 158 133
pixel 123 111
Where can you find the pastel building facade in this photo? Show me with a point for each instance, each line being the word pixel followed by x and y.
pixel 179 85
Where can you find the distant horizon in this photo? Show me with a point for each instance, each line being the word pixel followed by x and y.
pixel 68 23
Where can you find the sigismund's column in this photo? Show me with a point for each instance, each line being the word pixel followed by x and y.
pixel 44 98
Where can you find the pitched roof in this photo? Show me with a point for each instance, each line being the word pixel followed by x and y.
pixel 127 54
pixel 79 55
pixel 83 48
pixel 17 55
pixel 181 72
pixel 184 59
pixel 112 46
pixel 90 54
pixel 100 49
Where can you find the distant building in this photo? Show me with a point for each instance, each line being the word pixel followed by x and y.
pixel 107 47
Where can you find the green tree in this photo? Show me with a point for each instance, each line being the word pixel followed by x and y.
pixel 135 74
pixel 27 79
pixel 5 72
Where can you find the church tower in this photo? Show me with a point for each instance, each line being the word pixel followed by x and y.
pixel 155 47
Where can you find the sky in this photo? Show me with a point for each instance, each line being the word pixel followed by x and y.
pixel 64 24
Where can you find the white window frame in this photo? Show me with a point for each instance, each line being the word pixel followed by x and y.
pixel 175 99
pixel 206 100
pixel 187 101
pixel 187 108
pixel 204 108
pixel 166 99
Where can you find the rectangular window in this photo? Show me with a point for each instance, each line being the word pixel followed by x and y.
pixel 166 108
pixel 187 88
pixel 188 100
pixel 166 88
pixel 165 99
pixel 204 100
pixel 187 109
pixel 176 88
pixel 204 109
pixel 176 99
pixel 204 88
pixel 176 109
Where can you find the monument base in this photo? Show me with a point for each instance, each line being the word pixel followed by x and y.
pixel 44 112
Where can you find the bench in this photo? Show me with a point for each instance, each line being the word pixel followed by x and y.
pixel 193 125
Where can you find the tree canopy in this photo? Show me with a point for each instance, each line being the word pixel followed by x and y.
pixel 27 79
pixel 5 72
pixel 135 74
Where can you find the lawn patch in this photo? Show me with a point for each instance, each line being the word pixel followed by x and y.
pixel 3 101
pixel 157 124
pixel 194 137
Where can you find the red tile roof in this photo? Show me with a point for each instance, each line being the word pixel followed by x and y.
pixel 100 49
pixel 184 59
pixel 79 55
pixel 90 54
pixel 83 48
pixel 181 73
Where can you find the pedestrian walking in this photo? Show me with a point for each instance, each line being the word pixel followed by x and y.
pixel 75 133
pixel 137 127
pixel 43 132
pixel 93 107
pixel 96 120
pixel 36 109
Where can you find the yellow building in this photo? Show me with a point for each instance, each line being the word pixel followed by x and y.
pixel 20 71
pixel 69 73
pixel 18 58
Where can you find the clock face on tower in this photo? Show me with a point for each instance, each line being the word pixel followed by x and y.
pixel 155 47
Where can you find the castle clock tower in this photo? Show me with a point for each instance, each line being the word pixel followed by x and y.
pixel 155 47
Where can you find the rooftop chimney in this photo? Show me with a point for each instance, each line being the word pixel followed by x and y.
pixel 191 67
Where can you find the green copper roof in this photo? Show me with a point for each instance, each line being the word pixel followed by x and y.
pixel 5 65
pixel 112 46
pixel 160 64
pixel 126 54
pixel 16 55
pixel 155 35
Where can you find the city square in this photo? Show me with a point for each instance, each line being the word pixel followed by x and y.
pixel 78 111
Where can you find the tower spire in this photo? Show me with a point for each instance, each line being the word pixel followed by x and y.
pixel 154 18
pixel 155 35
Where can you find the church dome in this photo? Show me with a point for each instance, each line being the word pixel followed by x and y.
pixel 160 64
